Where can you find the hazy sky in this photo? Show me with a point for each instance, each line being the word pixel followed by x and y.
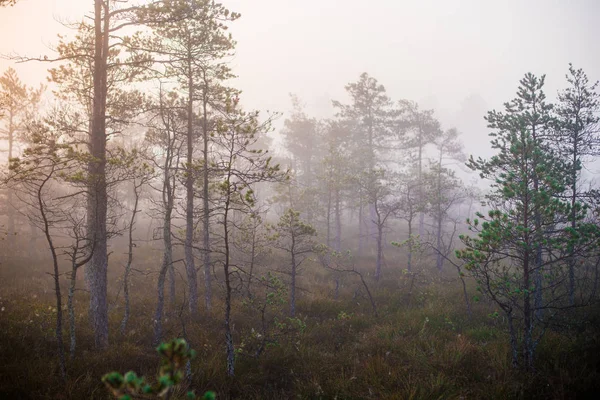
pixel 437 52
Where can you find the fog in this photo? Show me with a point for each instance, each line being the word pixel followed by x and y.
pixel 320 199
pixel 459 57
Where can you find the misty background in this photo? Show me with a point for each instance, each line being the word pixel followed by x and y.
pixel 460 57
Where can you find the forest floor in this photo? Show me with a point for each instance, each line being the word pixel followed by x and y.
pixel 421 346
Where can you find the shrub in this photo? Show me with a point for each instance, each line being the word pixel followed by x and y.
pixel 175 355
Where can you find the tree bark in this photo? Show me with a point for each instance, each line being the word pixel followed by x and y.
pixel 410 244
pixel 56 275
pixel 293 282
pixel 338 222
pixel 167 263
pixel 189 209
pixel 360 228
pixel 205 207
pixel 573 260
pixel 129 259
pixel 228 334
pixel 71 308
pixel 98 199
pixel 379 249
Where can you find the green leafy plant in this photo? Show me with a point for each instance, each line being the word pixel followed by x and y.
pixel 273 325
pixel 174 356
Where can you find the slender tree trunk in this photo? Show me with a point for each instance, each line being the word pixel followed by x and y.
pixel 371 300
pixel 127 272
pixel 205 207
pixel 71 309
pixel 338 237
pixel 513 340
pixel 438 234
pixel 56 275
pixel 293 283
pixel 371 222
pixel 189 210
pixel 59 317
pixel 167 263
pixel 252 261
pixel 338 222
pixel 379 249
pixel 98 199
pixel 160 302
pixel 228 334
pixel 421 197
pixel 360 228
pixel 440 260
pixel 538 271
pixel 573 215
pixel 527 309
pixel 410 244
pixel 328 217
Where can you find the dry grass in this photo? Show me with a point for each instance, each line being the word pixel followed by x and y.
pixel 428 350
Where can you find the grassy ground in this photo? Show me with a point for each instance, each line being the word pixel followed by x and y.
pixel 420 347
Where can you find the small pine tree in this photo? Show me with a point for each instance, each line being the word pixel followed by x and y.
pixel 174 356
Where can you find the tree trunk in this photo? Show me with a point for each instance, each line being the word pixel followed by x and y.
pixel 293 282
pixel 252 261
pixel 379 250
pixel 189 209
pixel 527 309
pixel 205 207
pixel 71 310
pixel 167 264
pixel 513 340
pixel 572 260
pixel 129 259
pixel 160 301
pixel 56 275
pixel 338 222
pixel 98 199
pixel 328 218
pixel 421 197
pixel 338 238
pixel 360 228
pixel 438 234
pixel 59 317
pixel 410 245
pixel 228 334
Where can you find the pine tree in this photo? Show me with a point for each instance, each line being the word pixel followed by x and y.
pixel 578 139
pixel 523 244
pixel 370 117
pixel 18 105
pixel 191 41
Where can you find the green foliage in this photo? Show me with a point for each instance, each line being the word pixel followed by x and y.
pixel 344 316
pixel 174 356
pixel 274 325
pixel 292 234
pixel 524 244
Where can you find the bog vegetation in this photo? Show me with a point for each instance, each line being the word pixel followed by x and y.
pixel 142 207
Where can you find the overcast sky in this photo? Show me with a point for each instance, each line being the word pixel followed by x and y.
pixel 460 57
